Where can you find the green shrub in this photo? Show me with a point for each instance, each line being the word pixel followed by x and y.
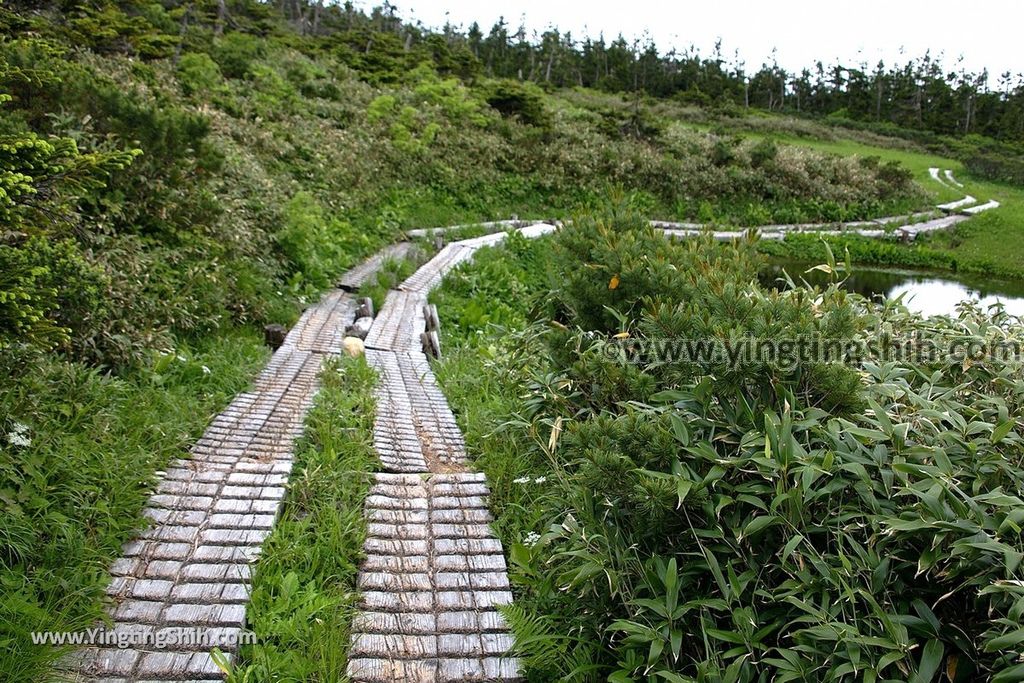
pixel 615 265
pixel 382 106
pixel 316 247
pixel 386 62
pixel 236 52
pixel 106 27
pixel 456 101
pixel 41 180
pixel 636 122
pixel 273 94
pixel 49 295
pixel 25 302
pixel 199 75
pixel 763 152
pixel 996 167
pixel 704 521
pixel 497 289
pixel 620 275
pixel 299 236
pixel 165 194
pixel 515 99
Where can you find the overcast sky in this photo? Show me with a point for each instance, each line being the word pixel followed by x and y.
pixel 986 32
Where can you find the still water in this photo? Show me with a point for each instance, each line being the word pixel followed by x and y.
pixel 926 293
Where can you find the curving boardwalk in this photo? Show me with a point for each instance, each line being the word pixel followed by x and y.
pixel 434 575
pixel 904 227
pixel 187 575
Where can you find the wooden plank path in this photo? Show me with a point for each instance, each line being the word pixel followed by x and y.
pixel 361 274
pixel 906 227
pixel 434 575
pixel 187 576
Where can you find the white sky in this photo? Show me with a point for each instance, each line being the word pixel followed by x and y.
pixel 988 33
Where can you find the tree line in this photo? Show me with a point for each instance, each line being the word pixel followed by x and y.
pixel 920 94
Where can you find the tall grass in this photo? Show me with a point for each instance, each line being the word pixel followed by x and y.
pixel 303 592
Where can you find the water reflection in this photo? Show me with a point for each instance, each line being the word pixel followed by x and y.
pixel 924 293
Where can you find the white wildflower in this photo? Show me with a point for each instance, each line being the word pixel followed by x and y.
pixel 540 480
pixel 19 428
pixel 521 480
pixel 531 538
pixel 16 439
pixel 206 370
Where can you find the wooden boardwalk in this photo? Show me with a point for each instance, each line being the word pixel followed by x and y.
pixel 434 575
pixel 184 581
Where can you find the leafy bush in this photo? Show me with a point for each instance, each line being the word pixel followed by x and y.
pixel 48 291
pixel 456 101
pixel 619 275
pixel 317 248
pixel 636 122
pixel 1000 168
pixel 382 106
pixel 522 101
pixel 49 294
pixel 273 94
pixel 619 262
pixel 106 27
pixel 199 74
pixel 236 52
pixel 763 152
pixel 495 290
pixel 24 304
pixel 702 521
pixel 41 179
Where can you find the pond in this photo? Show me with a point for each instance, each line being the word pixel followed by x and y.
pixel 924 292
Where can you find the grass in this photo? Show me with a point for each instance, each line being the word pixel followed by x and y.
pixel 391 273
pixel 303 592
pixel 482 385
pixel 484 307
pixel 485 374
pixel 499 198
pixel 73 495
pixel 490 355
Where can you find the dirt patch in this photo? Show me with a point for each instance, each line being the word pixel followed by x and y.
pixel 432 457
